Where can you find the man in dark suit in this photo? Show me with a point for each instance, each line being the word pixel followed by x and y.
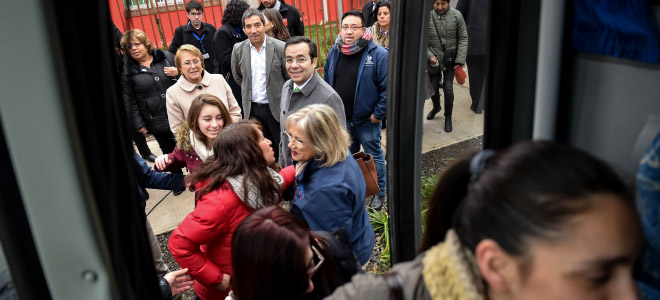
pixel 290 15
pixel 196 33
pixel 258 66
pixel 368 13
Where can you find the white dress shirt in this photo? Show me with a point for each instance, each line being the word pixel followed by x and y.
pixel 258 69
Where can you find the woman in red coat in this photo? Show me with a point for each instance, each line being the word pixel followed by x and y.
pixel 229 187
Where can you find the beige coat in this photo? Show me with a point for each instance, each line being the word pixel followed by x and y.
pixel 180 95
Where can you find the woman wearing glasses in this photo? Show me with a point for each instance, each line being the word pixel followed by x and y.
pixel 148 73
pixel 229 185
pixel 329 187
pixel 194 81
pixel 277 257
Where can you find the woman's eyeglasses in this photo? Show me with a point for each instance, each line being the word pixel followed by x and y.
pixel 300 143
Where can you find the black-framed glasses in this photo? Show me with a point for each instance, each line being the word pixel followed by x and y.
pixel 199 14
pixel 299 60
pixel 300 143
pixel 318 257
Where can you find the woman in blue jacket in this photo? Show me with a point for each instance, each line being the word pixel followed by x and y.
pixel 329 187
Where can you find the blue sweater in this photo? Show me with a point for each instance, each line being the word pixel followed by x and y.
pixel 371 88
pixel 330 198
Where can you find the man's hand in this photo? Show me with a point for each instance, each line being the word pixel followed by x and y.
pixel 373 119
pixel 433 60
pixel 225 283
pixel 143 130
pixel 179 281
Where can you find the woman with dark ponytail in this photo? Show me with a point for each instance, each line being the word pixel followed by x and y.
pixel 537 220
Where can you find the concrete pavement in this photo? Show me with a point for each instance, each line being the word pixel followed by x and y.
pixel 166 211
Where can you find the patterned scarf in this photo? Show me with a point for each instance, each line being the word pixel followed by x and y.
pixel 356 46
pixel 254 197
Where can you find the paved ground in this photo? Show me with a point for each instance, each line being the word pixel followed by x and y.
pixel 165 211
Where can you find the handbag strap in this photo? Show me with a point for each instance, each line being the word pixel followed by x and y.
pixel 395 283
pixel 435 26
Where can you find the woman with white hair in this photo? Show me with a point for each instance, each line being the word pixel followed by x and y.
pixel 329 187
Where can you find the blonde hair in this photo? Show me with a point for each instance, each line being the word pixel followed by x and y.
pixel 323 132
pixel 125 41
pixel 190 49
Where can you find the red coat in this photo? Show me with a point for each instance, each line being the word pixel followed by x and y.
pixel 202 241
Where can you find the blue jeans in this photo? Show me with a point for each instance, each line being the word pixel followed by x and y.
pixel 368 135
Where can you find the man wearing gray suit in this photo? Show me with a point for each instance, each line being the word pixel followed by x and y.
pixel 258 66
pixel 304 88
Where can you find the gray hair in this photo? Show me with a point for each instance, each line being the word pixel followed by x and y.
pixel 253 12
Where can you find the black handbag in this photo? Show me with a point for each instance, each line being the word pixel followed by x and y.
pixel 449 56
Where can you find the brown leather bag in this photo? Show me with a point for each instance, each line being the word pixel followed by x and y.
pixel 368 167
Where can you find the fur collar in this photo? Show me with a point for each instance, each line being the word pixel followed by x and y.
pixel 450 271
pixel 183 138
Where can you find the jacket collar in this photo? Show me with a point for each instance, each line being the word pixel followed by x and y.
pixel 189 86
pixel 311 84
pixel 203 27
pixel 131 66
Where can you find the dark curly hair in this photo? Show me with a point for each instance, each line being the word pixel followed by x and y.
pixel 234 11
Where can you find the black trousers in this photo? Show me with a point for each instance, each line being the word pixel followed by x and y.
pixel 165 141
pixel 477 72
pixel 447 78
pixel 270 126
pixel 141 143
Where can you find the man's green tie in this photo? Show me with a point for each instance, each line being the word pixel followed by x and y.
pixel 296 90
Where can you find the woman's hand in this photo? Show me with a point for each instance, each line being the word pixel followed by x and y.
pixel 433 60
pixel 162 162
pixel 179 281
pixel 225 283
pixel 171 71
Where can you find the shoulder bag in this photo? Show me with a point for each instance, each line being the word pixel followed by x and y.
pixel 368 168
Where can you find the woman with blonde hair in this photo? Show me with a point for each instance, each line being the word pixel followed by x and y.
pixel 194 138
pixel 274 25
pixel 194 81
pixel 329 187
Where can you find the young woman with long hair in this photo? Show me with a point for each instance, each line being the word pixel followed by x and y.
pixel 229 186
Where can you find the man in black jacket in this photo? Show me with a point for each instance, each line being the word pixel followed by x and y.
pixel 196 33
pixel 290 15
pixel 368 13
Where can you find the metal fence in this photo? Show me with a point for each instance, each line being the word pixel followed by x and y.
pixel 159 18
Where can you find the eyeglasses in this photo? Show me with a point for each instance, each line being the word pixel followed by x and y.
pixel 134 45
pixel 300 143
pixel 319 258
pixel 299 60
pixel 352 28
pixel 199 14
pixel 188 64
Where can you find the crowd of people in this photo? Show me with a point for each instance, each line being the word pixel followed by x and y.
pixel 243 109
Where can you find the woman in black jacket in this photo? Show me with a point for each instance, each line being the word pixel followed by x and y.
pixel 148 73
pixel 230 33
